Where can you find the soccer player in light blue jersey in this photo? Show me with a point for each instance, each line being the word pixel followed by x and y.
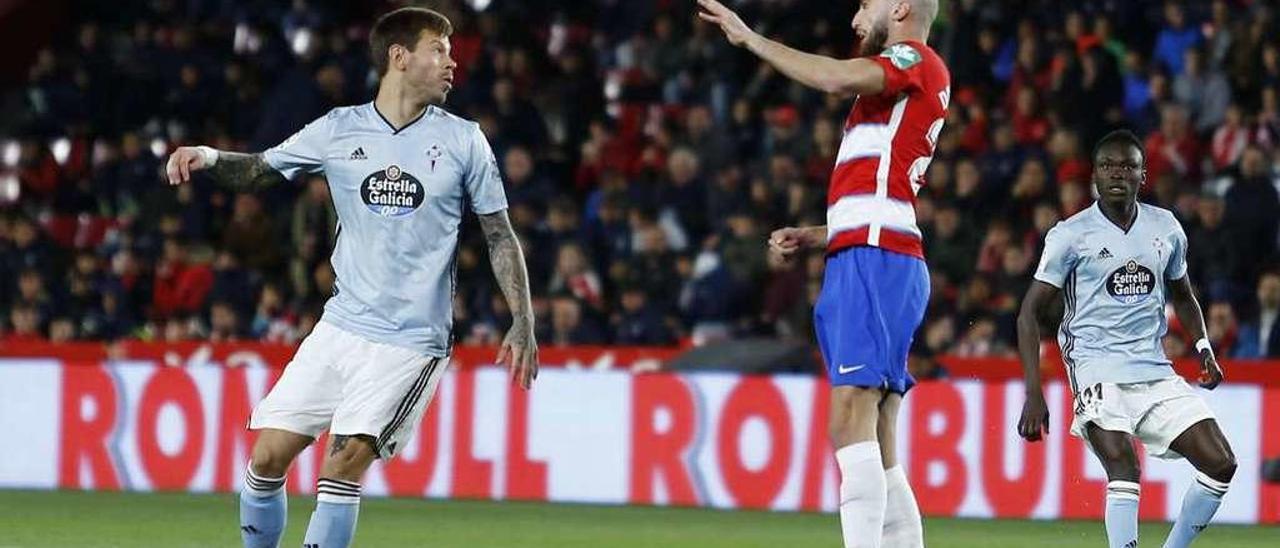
pixel 1115 265
pixel 400 170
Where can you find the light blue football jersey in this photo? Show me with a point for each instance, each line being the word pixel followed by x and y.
pixel 1113 284
pixel 399 197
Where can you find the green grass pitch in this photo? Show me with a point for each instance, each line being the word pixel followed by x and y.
pixel 75 519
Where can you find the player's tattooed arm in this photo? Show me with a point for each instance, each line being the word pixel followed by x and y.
pixel 244 172
pixel 235 170
pixel 1191 316
pixel 1035 413
pixel 519 348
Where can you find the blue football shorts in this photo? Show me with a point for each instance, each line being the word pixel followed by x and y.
pixel 871 304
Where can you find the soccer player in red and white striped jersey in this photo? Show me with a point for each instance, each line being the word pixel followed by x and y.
pixel 876 284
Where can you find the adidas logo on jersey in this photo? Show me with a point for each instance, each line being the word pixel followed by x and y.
pixel 1104 254
pixel 358 154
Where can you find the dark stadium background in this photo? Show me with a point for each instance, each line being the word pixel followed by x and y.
pixel 645 160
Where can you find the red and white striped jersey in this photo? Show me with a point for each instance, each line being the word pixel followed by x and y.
pixel 888 142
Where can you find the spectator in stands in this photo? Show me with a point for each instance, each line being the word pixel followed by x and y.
pixel 1252 217
pixel 1222 329
pixel 1260 336
pixel 1204 90
pixel 250 237
pixel 313 226
pixel 62 329
pixel 1230 139
pixel 1173 149
pixel 651 265
pixel 1266 131
pixel 181 286
pixel 224 323
pixel 271 321
pixel 575 276
pixel 980 340
pixel 567 325
pixel 233 283
pixel 638 323
pixel 950 245
pixel 524 185
pixel 1177 36
pixel 28 249
pixel 1210 243
pixel 682 194
pixel 32 292
pixel 24 325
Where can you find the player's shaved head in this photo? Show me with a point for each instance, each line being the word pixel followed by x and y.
pixel 878 23
pixel 924 11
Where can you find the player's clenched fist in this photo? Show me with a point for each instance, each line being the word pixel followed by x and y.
pixel 785 242
pixel 186 160
pixel 1035 418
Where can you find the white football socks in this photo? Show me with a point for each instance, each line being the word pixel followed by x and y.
pixel 902 527
pixel 862 494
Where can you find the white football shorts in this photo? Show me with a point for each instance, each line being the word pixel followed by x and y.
pixel 349 385
pixel 1156 412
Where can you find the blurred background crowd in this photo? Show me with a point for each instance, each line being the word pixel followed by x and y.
pixel 645 160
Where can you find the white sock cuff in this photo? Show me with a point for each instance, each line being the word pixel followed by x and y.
pixel 1123 490
pixel 337 491
pixel 858 452
pixel 1211 485
pixel 261 486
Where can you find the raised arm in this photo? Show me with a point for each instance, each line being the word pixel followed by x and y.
pixel 1187 307
pixel 519 348
pixel 838 76
pixel 235 170
pixel 1035 412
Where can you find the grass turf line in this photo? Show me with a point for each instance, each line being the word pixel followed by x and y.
pixel 31 519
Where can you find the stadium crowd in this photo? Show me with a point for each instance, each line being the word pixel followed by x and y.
pixel 645 159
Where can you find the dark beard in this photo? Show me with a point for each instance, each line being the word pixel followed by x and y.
pixel 874 43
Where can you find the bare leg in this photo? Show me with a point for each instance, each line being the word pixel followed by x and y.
pixel 1115 450
pixel 1207 449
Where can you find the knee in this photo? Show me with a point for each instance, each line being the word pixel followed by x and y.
pixel 268 462
pixel 1122 467
pixel 1222 468
pixel 348 458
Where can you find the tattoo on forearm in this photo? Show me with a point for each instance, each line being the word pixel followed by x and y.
pixel 508 264
pixel 244 172
pixel 339 443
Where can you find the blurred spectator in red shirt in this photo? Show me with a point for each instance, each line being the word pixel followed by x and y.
pixel 1230 139
pixel 180 286
pixel 1173 149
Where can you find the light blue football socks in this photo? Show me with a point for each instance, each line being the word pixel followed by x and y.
pixel 333 522
pixel 263 509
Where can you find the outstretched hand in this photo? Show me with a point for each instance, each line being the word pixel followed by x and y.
pixel 734 29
